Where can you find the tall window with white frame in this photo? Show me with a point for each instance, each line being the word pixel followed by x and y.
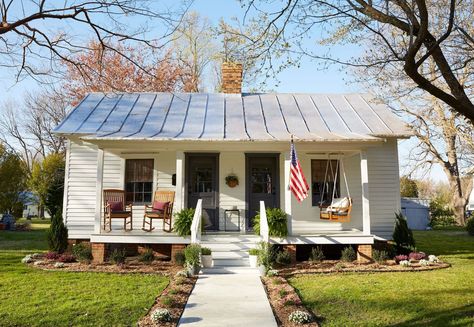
pixel 323 173
pixel 139 180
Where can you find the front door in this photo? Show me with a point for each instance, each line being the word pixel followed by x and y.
pixel 262 183
pixel 201 180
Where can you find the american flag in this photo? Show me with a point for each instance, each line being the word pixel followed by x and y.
pixel 298 185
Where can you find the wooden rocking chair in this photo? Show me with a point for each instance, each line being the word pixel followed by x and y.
pixel 161 208
pixel 115 207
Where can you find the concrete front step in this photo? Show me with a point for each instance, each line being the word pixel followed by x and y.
pixel 230 239
pixel 228 246
pixel 231 263
pixel 228 270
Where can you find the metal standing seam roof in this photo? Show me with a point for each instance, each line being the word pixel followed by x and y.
pixel 232 117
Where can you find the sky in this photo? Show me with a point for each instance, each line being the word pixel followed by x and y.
pixel 308 78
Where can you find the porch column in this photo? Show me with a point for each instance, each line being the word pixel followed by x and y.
pixel 287 191
pixel 98 190
pixel 180 180
pixel 364 177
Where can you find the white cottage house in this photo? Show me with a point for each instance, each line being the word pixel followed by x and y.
pixel 190 143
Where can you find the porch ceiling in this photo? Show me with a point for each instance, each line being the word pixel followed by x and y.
pixel 231 117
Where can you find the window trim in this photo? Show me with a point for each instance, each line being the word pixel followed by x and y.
pixel 123 166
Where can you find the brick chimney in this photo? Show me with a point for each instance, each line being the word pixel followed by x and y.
pixel 231 78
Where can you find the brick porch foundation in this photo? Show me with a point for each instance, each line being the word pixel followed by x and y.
pixel 364 253
pixel 99 252
pixel 176 248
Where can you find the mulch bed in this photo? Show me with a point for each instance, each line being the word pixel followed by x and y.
pixel 336 266
pixel 284 300
pixel 173 298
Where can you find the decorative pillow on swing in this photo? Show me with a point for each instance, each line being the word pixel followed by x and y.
pixel 339 205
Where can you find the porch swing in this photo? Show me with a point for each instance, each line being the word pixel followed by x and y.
pixel 340 208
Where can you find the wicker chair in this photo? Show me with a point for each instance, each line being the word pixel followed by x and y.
pixel 161 208
pixel 115 207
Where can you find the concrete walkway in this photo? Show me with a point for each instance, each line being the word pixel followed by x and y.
pixel 228 297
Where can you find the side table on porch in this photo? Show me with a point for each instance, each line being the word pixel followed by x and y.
pixel 237 211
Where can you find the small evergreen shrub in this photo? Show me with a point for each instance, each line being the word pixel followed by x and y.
pixel 299 317
pixel 179 258
pixel 317 254
pixel 192 255
pixel 348 254
pixel 402 235
pixel 82 252
pixel 283 258
pixel 167 301
pixel 66 258
pixel 470 226
pixel 206 251
pixel 57 234
pixel 147 256
pixel 161 315
pixel 180 280
pixel 253 252
pixel 182 221
pixel 380 256
pixel 277 222
pixel 118 256
pixel 282 293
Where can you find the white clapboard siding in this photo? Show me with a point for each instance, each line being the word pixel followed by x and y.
pixel 80 190
pixel 384 188
pixel 231 163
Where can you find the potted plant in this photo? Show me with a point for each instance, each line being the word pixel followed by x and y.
pixel 206 257
pixel 253 256
pixel 232 180
pixel 192 256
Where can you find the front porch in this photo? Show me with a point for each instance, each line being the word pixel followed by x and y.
pixel 223 204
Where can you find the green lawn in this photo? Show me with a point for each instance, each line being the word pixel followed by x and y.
pixel 433 298
pixel 31 297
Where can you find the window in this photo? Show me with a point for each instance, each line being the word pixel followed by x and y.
pixel 139 180
pixel 318 170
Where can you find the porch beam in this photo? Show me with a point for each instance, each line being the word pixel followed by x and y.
pixel 98 190
pixel 288 192
pixel 180 182
pixel 364 176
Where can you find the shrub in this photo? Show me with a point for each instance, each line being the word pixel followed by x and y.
pixel 272 273
pixel 266 255
pixel 82 252
pixel 179 258
pixel 380 256
pixel 441 214
pixel 424 262
pixel 402 235
pixel 206 251
pixel 277 222
pixel 348 254
pixel 416 256
pixel 401 257
pixel 167 300
pixel 161 315
pixel 66 258
pixel 253 252
pixel 317 254
pixel 300 317
pixel 180 280
pixel 282 293
pixel 182 273
pixel 182 221
pixel 433 259
pixel 147 256
pixel 118 256
pixel 470 226
pixel 192 255
pixel 57 234
pixel 52 255
pixel 283 258
pixel 405 263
